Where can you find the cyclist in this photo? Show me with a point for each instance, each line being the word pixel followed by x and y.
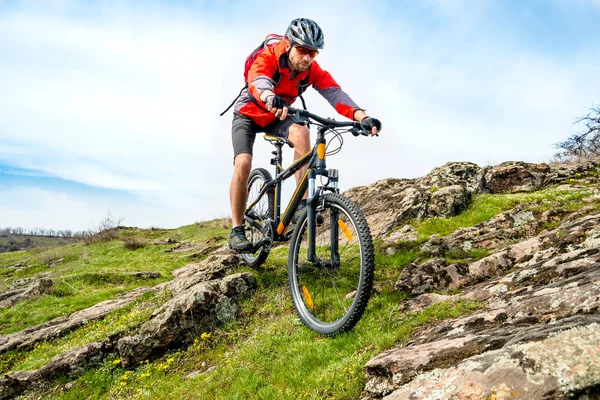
pixel 262 107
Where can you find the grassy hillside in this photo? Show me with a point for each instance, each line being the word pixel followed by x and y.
pixel 22 242
pixel 266 353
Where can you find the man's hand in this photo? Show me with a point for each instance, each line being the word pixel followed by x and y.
pixel 373 125
pixel 277 106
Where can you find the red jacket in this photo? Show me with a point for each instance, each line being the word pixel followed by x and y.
pixel 260 78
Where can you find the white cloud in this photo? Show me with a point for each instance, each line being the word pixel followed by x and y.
pixel 30 207
pixel 130 99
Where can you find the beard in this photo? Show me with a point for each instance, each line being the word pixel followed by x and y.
pixel 300 66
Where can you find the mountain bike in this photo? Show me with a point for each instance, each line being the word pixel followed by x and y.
pixel 331 256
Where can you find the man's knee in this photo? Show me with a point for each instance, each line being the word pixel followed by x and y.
pixel 242 164
pixel 299 135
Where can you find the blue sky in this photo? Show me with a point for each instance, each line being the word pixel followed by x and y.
pixel 112 106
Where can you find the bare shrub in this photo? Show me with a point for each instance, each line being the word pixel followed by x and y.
pixel 223 223
pixel 53 255
pixel 134 243
pixel 584 145
pixel 108 229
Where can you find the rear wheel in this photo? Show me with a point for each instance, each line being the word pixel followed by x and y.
pixel 331 293
pixel 260 212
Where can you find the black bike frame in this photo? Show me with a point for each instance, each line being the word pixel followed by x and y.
pixel 315 160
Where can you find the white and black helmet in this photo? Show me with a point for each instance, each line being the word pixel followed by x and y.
pixel 305 32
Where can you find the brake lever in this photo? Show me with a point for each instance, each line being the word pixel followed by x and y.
pixel 300 119
pixel 361 131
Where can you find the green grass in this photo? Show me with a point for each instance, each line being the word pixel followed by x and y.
pixel 63 299
pixel 486 206
pixel 121 320
pixel 388 267
pixel 268 354
pixel 31 241
pixel 89 274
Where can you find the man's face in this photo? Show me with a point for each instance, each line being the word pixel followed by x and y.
pixel 301 57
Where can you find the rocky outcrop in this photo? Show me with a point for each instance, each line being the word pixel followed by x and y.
pixel 60 326
pixel 434 274
pixel 561 362
pixel 447 190
pixel 537 337
pixel 203 297
pixel 517 176
pixel 389 203
pixel 37 288
pixel 198 309
pixel 69 364
pixel 517 223
pixel 196 250
pixel 514 177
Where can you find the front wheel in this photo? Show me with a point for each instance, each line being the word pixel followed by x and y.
pixel 330 293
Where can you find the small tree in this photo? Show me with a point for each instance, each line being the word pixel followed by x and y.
pixel 108 229
pixel 585 144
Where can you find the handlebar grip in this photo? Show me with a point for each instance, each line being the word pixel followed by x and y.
pixel 365 130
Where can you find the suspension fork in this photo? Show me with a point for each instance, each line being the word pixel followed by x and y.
pixel 335 233
pixel 314 195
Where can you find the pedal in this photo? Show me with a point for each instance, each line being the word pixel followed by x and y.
pixel 288 236
pixel 320 219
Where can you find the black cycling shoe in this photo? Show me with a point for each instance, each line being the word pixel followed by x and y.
pixel 238 241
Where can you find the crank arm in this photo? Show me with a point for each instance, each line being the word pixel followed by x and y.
pixel 262 242
pixel 255 224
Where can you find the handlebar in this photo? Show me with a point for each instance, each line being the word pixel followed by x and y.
pixel 302 117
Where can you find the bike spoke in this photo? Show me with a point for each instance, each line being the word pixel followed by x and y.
pixel 333 286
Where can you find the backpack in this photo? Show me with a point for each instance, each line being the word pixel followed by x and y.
pixel 270 40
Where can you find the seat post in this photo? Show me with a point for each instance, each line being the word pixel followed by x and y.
pixel 278 159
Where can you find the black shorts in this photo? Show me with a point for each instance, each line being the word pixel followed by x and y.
pixel 244 130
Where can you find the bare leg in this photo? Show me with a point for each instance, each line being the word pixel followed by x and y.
pixel 299 136
pixel 238 188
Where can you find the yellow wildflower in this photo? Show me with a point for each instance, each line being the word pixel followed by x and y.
pixel 205 336
pixel 116 362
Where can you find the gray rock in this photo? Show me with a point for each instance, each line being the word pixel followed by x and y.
pixel 70 364
pixel 196 309
pixel 59 326
pixel 449 201
pixel 405 234
pixel 559 366
pixel 490 266
pixel 389 203
pixel 433 274
pixel 37 288
pixel 538 336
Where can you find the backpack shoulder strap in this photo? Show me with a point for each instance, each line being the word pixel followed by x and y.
pixel 234 100
pixel 277 77
pixel 303 85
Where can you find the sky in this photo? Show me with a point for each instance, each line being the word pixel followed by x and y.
pixel 112 107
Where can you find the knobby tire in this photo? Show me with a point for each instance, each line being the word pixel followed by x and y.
pixel 330 300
